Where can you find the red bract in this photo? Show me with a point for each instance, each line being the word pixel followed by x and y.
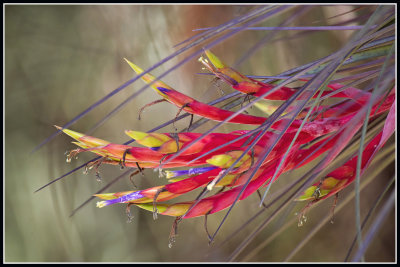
pixel 251 86
pixel 344 175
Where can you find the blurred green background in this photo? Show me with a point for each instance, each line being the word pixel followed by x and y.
pixel 60 59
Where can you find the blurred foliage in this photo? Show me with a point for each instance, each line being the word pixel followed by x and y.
pixel 60 59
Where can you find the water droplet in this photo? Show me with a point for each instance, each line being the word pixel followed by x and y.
pixel 160 173
pixel 98 177
pixel 171 242
pixel 130 218
pixel 155 215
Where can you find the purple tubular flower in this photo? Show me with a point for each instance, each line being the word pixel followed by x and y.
pixel 163 90
pixel 126 198
pixel 190 172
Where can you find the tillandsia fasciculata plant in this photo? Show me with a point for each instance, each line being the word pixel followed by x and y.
pixel 330 118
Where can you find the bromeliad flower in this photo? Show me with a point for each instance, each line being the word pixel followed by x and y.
pixel 282 122
pixel 237 161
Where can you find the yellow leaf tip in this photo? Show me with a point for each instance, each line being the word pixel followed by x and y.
pixel 214 60
pixel 136 134
pixel 134 67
